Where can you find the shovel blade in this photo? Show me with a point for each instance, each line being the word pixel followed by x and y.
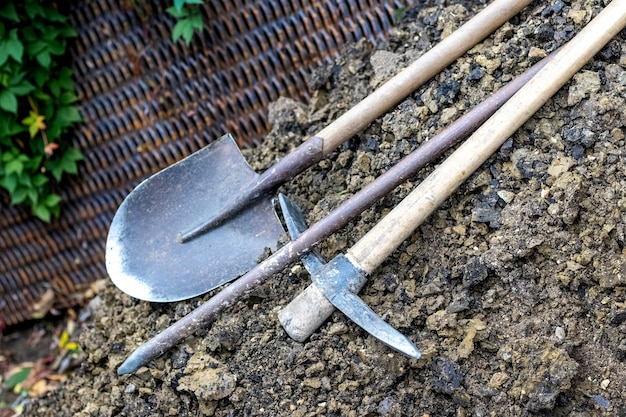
pixel 144 257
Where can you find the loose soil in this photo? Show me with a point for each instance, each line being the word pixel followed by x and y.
pixel 514 289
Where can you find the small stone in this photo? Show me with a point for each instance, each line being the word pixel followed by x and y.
pixel 312 382
pixel 497 380
pixel 207 379
pixel 601 401
pixel 559 332
pixel 337 329
pixel 585 83
pixel 605 383
pixel 578 16
pixel 536 53
pixel 618 318
pixel 130 388
pixel 441 320
pixel 384 63
pixel 506 196
pixel 447 376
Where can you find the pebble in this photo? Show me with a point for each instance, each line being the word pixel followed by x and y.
pixel 601 401
pixel 559 332
pixel 497 380
pixel 447 376
pixel 584 84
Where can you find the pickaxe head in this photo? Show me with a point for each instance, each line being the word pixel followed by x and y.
pixel 339 281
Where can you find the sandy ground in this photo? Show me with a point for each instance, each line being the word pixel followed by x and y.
pixel 513 289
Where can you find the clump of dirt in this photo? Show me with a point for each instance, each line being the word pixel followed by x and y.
pixel 514 289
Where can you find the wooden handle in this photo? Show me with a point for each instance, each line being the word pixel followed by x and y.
pixel 305 313
pixel 426 67
pixel 394 228
pixel 311 309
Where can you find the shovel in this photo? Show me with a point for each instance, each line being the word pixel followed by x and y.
pixel 159 248
pixel 378 243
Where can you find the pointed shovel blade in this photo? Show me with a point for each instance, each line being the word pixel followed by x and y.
pixel 144 257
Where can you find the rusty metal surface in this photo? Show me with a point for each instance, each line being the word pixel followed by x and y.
pixel 148 102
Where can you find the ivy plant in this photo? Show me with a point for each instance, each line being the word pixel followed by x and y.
pixel 189 19
pixel 37 105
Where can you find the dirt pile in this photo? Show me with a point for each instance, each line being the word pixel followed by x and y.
pixel 514 289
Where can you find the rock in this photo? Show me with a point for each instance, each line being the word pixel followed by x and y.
pixel 207 379
pixel 441 322
pixel 584 84
pixel 404 121
pixel 542 373
pixel 497 380
pixel 467 345
pixel 384 63
pixel 610 270
pixel 447 376
pixel 474 272
pixel 567 192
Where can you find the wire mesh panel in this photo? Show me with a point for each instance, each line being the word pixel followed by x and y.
pixel 148 102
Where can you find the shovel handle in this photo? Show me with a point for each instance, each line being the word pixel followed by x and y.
pixel 420 71
pixel 399 224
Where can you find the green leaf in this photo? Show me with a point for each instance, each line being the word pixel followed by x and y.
pixel 56 47
pixel 22 89
pixel 35 9
pixel 42 212
pixel 178 14
pixel 398 14
pixel 34 163
pixel 183 28
pixel 17 378
pixel 44 59
pixel 9 127
pixel 196 21
pixel 32 195
pixel 65 78
pixel 65 164
pixel 15 49
pixel 67 115
pixel 68 32
pixel 15 78
pixel 14 165
pixel 35 47
pixel 68 97
pixel 9 182
pixel 4 54
pixel 19 195
pixel 11 47
pixel 40 76
pixel 179 4
pixel 8 101
pixel 8 12
pixel 39 180
pixel 73 154
pixel 51 200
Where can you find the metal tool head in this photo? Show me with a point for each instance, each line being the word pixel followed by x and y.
pixel 144 257
pixel 339 280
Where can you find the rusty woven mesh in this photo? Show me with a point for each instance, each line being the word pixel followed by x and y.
pixel 148 102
